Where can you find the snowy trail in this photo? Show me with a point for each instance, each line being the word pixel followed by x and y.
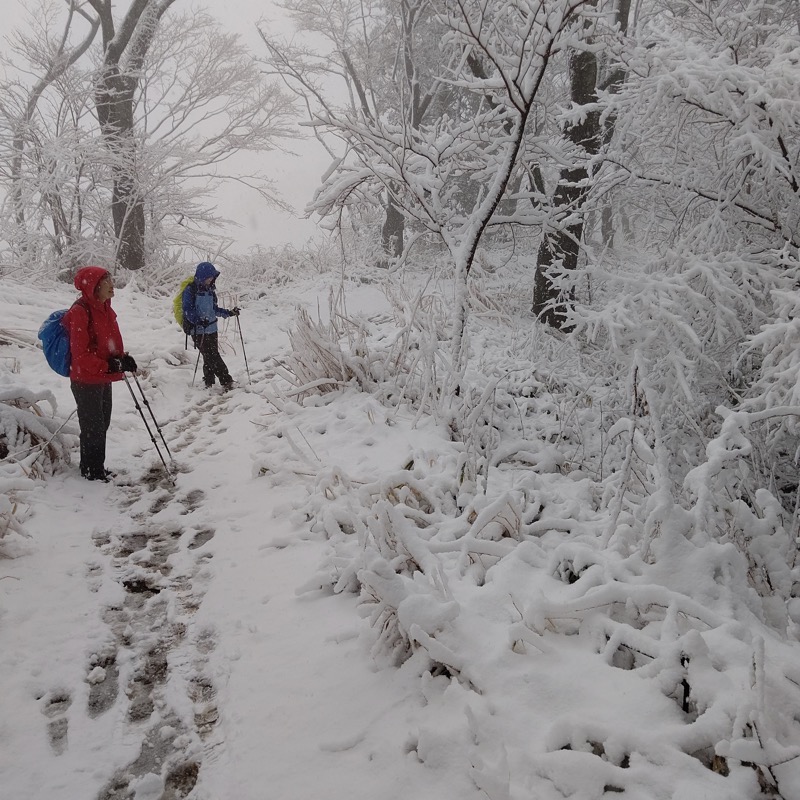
pixel 301 709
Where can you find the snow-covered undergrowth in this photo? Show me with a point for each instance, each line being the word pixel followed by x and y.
pixel 33 441
pixel 581 626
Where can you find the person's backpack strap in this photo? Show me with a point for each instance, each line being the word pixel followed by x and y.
pixel 188 327
pixel 90 328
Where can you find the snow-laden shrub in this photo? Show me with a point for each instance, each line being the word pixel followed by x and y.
pixel 32 445
pixel 262 268
pixel 317 360
pixel 30 439
pixel 250 276
pixel 684 317
pixel 674 600
pixel 548 532
pixel 773 355
pixel 404 368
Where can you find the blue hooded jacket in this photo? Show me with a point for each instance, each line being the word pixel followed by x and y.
pixel 200 309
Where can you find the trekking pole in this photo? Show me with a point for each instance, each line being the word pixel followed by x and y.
pixel 244 353
pixel 196 365
pixel 153 416
pixel 144 419
pixel 199 351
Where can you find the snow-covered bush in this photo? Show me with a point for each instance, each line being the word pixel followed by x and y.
pixel 552 517
pixel 263 268
pixel 537 573
pixel 32 445
pixel 406 365
pixel 29 438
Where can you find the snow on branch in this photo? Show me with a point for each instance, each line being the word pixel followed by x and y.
pixel 32 445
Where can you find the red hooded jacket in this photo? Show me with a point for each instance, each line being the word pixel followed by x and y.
pixel 92 343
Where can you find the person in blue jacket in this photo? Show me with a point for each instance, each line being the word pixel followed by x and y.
pixel 200 312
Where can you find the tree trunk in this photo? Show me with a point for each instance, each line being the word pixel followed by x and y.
pixel 393 230
pixel 394 225
pixel 613 83
pixel 114 98
pixel 561 248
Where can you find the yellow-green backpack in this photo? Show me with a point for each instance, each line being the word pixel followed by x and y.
pixel 177 303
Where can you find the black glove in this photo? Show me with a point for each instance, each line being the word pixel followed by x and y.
pixel 205 322
pixel 128 364
pixel 121 364
pixel 235 311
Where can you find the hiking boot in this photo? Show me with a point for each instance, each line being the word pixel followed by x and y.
pixel 103 476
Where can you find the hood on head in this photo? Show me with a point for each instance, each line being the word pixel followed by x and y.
pixel 87 278
pixel 205 269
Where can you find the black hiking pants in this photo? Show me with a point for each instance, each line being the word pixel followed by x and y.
pixel 213 365
pixel 94 416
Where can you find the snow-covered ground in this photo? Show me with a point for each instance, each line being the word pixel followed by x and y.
pixel 202 639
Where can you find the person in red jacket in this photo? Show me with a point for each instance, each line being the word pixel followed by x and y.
pixel 97 359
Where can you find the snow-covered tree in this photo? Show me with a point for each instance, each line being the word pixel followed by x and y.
pixel 451 173
pixel 703 168
pixel 584 135
pixel 376 61
pixel 52 61
pixel 204 100
pixel 199 99
pixel 125 46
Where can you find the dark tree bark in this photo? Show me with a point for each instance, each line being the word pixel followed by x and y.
pixel 561 247
pixel 393 229
pixel 612 83
pixel 124 51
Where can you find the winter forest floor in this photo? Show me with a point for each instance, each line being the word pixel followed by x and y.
pixel 274 627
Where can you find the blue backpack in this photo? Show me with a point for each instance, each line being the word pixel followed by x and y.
pixel 55 339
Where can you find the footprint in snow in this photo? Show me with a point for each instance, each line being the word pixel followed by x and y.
pixel 55 709
pixel 153 621
pixel 103 680
pixel 201 537
pixel 161 770
pixel 151 673
pixel 192 501
pixel 160 502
